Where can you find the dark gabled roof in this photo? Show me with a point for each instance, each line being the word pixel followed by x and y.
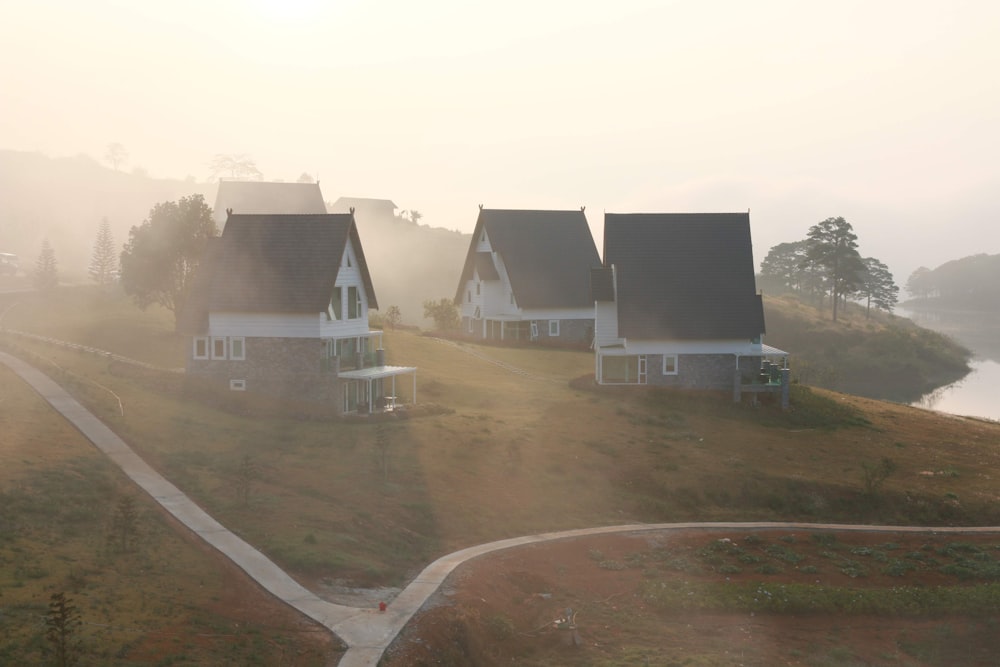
pixel 273 264
pixel 267 197
pixel 548 256
pixel 602 284
pixel 683 275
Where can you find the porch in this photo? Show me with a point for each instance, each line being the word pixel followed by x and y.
pixel 374 389
pixel 773 378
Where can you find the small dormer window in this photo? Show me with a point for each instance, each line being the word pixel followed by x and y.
pixel 478 292
pixel 482 237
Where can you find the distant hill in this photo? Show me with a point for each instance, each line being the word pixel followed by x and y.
pixel 64 199
pixel 969 283
pixel 410 262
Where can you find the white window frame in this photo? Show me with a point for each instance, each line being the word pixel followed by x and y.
pixel 357 305
pixel 241 354
pixel 216 342
pixel 553 328
pixel 534 329
pixel 206 347
pixel 671 357
pixel 237 385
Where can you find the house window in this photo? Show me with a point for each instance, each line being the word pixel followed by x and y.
pixel 353 303
pixel 468 296
pixel 534 329
pixel 201 347
pixel 237 349
pixel 478 292
pixel 670 364
pixel 336 304
pixel 512 298
pixel 553 327
pixel 237 385
pixel 218 348
pixel 622 369
pixel 482 237
pixel 470 325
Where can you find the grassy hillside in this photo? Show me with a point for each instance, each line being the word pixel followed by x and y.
pixel 507 454
pixel 145 592
pixel 878 356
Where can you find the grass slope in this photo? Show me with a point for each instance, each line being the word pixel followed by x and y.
pixel 512 454
pixel 146 593
pixel 878 355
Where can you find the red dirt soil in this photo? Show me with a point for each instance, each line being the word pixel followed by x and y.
pixel 501 609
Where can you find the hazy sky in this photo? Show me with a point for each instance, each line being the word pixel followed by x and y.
pixel 885 112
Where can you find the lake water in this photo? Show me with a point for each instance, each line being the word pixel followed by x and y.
pixel 978 393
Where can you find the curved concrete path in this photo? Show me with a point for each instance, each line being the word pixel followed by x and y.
pixel 366 632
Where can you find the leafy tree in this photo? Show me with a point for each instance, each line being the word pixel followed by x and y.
pixel 116 155
pixel 782 269
pixel 104 260
pixel 304 177
pixel 444 312
pixel 237 166
pixel 46 276
pixel 163 252
pixel 61 624
pixel 393 317
pixel 878 287
pixel 833 248
pixel 920 283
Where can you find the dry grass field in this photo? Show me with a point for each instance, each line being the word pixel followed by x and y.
pixel 491 453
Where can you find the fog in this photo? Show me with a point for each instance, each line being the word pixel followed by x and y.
pixel 883 113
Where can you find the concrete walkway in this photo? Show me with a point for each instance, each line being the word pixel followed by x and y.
pixel 366 632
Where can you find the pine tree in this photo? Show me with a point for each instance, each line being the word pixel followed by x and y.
pixel 61 624
pixel 104 260
pixel 46 277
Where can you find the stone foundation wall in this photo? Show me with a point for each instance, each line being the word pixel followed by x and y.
pixel 701 371
pixel 287 368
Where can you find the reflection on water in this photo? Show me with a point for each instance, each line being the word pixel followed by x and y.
pixel 974 395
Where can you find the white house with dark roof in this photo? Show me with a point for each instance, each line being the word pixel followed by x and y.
pixel 676 302
pixel 279 306
pixel 266 197
pixel 526 277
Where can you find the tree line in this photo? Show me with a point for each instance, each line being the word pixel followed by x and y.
pixel 827 265
pixel 972 281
